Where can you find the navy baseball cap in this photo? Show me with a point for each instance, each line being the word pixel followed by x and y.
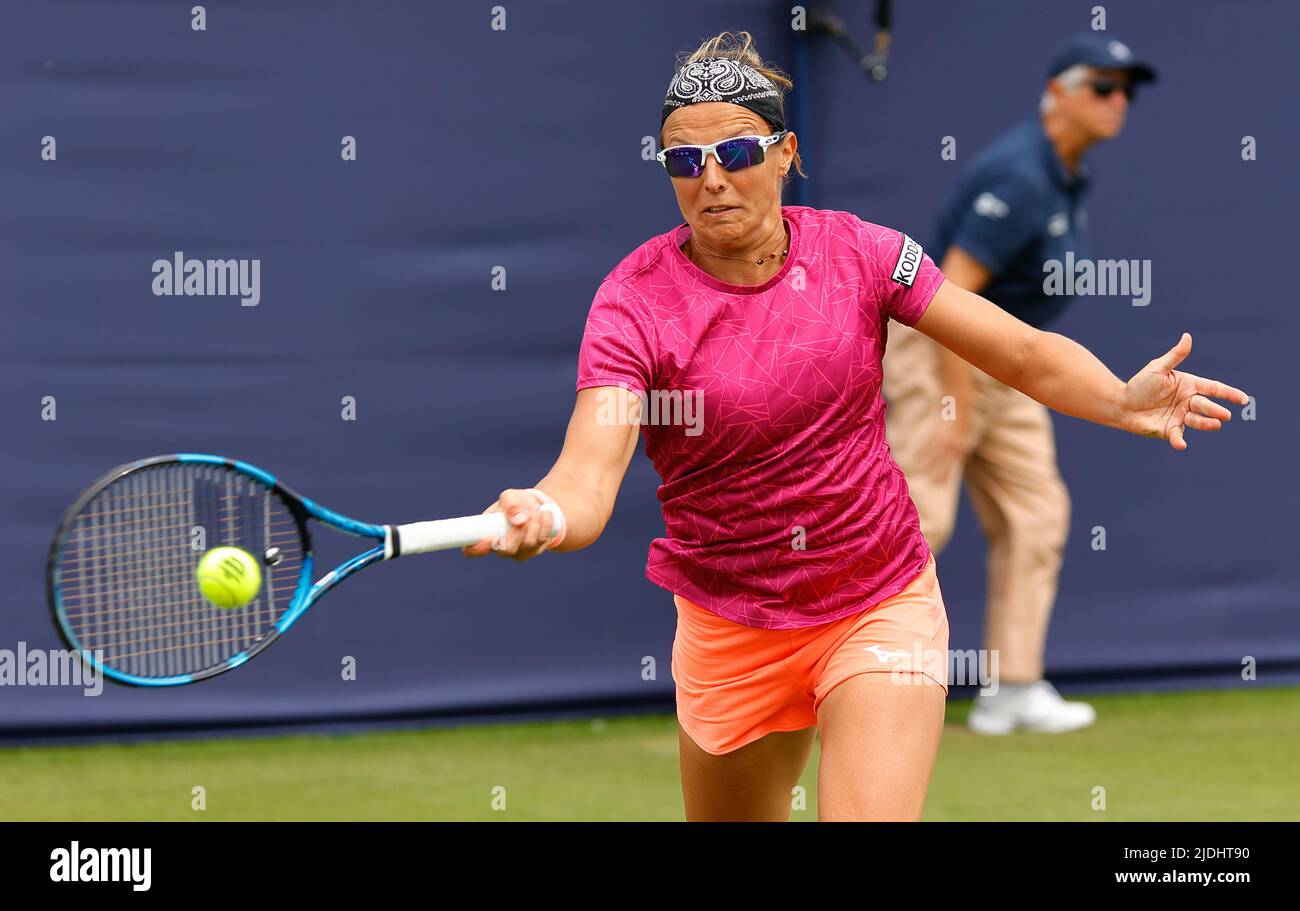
pixel 1097 50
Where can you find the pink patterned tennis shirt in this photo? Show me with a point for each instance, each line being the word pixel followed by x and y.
pixel 764 418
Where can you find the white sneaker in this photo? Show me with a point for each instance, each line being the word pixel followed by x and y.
pixel 1033 707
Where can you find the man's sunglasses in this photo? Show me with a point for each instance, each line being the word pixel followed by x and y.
pixel 733 154
pixel 1103 88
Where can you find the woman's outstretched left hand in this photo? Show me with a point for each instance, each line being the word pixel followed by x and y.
pixel 1160 401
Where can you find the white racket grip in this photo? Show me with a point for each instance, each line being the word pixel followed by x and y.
pixel 450 534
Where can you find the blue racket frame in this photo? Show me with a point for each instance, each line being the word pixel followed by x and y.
pixel 307 592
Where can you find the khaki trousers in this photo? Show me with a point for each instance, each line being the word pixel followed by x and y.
pixel 1014 486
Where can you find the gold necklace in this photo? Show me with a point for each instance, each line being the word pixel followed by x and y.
pixel 743 259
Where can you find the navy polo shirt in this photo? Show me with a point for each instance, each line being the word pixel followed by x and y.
pixel 1014 208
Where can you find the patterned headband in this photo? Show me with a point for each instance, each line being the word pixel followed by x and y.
pixel 722 79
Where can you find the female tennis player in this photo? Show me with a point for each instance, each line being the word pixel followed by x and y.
pixel 806 596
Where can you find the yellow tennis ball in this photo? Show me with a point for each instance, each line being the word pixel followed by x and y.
pixel 228 577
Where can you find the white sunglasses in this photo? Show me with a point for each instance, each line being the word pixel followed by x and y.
pixel 733 154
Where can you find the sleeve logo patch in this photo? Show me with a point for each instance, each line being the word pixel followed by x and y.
pixel 990 206
pixel 909 262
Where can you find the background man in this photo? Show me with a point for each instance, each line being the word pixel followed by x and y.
pixel 1017 206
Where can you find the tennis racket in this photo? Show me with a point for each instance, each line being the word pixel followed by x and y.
pixel 121 570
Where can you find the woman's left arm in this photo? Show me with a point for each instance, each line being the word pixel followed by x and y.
pixel 1158 401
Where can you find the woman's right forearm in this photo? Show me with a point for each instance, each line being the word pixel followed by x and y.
pixel 583 504
pixel 584 481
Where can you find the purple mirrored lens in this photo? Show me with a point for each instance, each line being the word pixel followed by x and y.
pixel 740 153
pixel 684 162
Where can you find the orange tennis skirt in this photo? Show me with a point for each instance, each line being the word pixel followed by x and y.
pixel 736 683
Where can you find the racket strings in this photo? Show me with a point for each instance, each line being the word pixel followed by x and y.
pixel 126 569
pixel 72 593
